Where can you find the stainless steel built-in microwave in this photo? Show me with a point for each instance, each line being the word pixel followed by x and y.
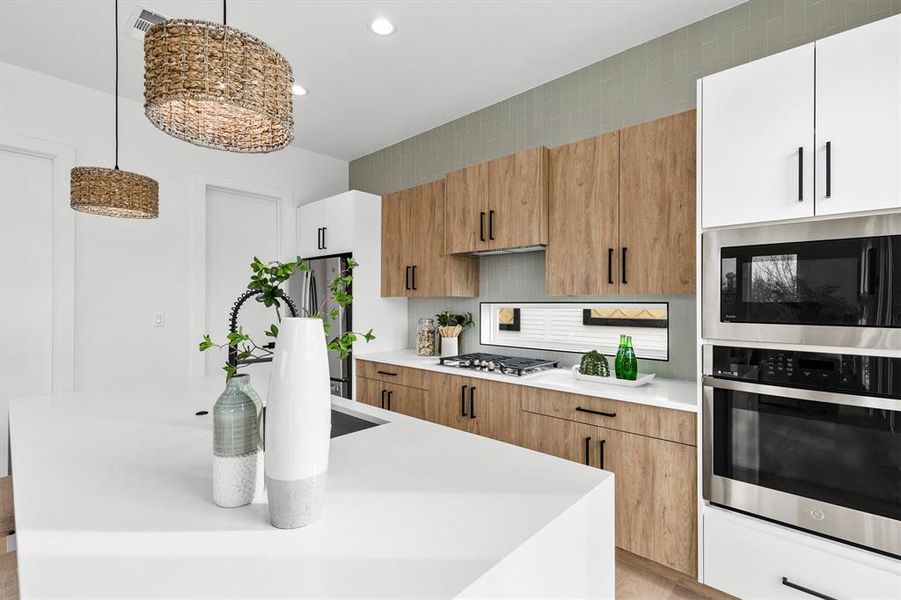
pixel 830 283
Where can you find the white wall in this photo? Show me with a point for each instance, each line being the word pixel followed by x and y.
pixel 126 271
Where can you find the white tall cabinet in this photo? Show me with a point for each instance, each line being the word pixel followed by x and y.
pixel 811 131
pixel 326 227
pixel 354 226
pixel 858 99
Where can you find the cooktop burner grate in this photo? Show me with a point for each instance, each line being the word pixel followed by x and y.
pixel 497 363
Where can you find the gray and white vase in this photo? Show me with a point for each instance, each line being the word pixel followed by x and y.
pixel 298 424
pixel 236 443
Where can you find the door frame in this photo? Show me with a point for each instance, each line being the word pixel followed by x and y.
pixel 286 244
pixel 62 317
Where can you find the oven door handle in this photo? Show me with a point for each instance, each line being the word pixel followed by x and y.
pixel 802 394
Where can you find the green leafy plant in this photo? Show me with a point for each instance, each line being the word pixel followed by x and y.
pixel 267 280
pixel 448 319
pixel 594 363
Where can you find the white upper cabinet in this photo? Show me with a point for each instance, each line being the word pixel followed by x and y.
pixel 836 102
pixel 326 227
pixel 858 128
pixel 757 134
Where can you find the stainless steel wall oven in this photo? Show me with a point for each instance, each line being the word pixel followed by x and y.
pixel 809 439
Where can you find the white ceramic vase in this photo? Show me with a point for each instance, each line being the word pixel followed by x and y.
pixel 450 346
pixel 297 424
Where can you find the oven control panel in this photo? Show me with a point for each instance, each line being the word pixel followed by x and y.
pixel 847 373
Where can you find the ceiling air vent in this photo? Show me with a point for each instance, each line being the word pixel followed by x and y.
pixel 141 20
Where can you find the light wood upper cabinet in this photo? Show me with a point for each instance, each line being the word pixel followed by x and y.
pixel 517 209
pixel 413 259
pixel 657 206
pixel 583 237
pixel 622 212
pixel 397 211
pixel 464 216
pixel 858 118
pixel 499 204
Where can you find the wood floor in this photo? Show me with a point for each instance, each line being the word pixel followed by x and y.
pixel 636 578
pixel 640 579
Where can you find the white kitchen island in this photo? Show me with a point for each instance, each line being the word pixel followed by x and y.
pixel 113 498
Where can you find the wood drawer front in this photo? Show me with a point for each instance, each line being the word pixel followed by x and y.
pixel 416 378
pixel 663 423
pixel 748 558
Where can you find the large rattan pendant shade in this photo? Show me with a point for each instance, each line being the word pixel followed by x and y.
pixel 216 86
pixel 111 192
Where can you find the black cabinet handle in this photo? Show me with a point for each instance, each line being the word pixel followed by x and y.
pixel 413 279
pixel 463 400
pixel 828 169
pixel 806 590
pixel 601 444
pixel 319 238
pixel 625 250
pixel 610 265
pixel 595 412
pixel 587 449
pixel 406 278
pixel 390 393
pixel 324 229
pixel 482 226
pixel 383 398
pixel 388 373
pixel 490 224
pixel 472 402
pixel 800 173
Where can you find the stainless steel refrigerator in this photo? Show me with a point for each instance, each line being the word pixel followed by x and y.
pixel 310 291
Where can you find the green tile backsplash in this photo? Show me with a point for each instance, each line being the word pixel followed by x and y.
pixel 651 80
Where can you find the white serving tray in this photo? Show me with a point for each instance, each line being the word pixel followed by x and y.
pixel 640 380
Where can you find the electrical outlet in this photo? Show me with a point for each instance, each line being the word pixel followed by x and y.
pixel 159 320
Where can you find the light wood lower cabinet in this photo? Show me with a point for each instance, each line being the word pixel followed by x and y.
pixel 398 398
pixel 649 449
pixel 656 498
pixel 482 407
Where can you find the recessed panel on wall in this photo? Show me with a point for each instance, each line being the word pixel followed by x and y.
pixel 577 326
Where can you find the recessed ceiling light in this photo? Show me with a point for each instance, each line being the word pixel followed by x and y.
pixel 382 26
pixel 299 90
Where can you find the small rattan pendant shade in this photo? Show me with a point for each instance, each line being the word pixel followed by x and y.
pixel 218 87
pixel 113 193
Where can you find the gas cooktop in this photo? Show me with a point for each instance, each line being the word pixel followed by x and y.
pixel 495 363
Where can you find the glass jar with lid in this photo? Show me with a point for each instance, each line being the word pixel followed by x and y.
pixel 425 337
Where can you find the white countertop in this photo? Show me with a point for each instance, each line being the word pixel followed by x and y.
pixel 665 393
pixel 113 499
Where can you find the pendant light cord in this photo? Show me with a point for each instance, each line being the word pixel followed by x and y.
pixel 117 84
pixel 224 13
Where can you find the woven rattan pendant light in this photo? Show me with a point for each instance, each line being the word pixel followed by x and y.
pixel 216 86
pixel 111 192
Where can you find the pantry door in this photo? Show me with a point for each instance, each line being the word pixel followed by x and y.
pixel 36 273
pixel 238 221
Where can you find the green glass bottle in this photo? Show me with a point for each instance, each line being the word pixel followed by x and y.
pixel 630 362
pixel 618 361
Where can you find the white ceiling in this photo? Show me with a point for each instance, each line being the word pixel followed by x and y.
pixel 446 59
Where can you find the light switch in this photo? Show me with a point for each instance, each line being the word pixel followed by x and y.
pixel 159 320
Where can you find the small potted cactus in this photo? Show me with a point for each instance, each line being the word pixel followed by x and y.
pixel 595 364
